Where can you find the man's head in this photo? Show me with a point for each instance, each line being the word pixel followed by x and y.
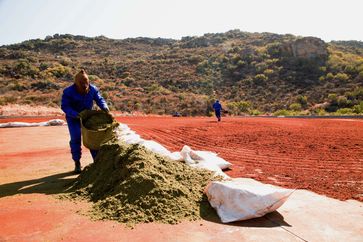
pixel 82 82
pixel 217 101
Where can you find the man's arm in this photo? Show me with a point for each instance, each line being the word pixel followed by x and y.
pixel 100 101
pixel 66 107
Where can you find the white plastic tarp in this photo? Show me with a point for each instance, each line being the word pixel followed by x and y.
pixel 176 156
pixel 211 157
pixel 236 200
pixel 132 139
pixel 203 160
pixel 192 157
pixel 155 147
pixel 53 122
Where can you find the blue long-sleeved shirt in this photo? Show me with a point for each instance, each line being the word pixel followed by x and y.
pixel 73 103
pixel 217 106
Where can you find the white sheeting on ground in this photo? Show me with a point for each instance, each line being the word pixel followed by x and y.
pixel 53 122
pixel 155 147
pixel 233 199
pixel 205 160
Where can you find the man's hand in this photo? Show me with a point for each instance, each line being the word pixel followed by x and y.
pixel 108 111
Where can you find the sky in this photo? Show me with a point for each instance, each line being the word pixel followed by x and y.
pixel 22 20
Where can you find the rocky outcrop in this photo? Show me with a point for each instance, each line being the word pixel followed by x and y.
pixel 307 48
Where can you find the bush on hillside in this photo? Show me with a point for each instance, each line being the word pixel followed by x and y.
pixel 238 108
pixel 295 107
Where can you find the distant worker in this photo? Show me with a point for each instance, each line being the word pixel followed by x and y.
pixel 217 109
pixel 75 99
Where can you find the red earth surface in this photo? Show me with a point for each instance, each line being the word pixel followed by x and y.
pixel 322 155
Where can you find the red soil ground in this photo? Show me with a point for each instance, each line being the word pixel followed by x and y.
pixel 321 155
pixel 324 156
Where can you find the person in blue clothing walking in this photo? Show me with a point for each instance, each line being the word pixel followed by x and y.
pixel 75 99
pixel 217 109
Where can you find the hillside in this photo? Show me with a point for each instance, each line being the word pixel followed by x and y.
pixel 249 72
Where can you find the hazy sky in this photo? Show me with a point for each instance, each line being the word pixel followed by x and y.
pixel 328 19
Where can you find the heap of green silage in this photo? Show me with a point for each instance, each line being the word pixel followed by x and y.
pixel 98 121
pixel 133 185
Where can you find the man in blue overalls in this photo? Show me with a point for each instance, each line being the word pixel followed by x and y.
pixel 75 99
pixel 217 109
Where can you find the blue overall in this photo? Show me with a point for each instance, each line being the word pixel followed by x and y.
pixel 217 110
pixel 72 104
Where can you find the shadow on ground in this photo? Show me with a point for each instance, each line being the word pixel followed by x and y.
pixel 54 184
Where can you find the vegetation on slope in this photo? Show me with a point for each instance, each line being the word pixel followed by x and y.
pixel 251 73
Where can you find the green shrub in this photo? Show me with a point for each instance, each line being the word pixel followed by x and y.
pixel 255 112
pixel 332 97
pixel 268 72
pixel 358 93
pixel 295 107
pixel 283 112
pixel 329 76
pixel 260 78
pixel 303 100
pixel 238 108
pixel 351 69
pixel 8 99
pixel 319 112
pixel 17 86
pixel 24 68
pixel 333 103
pixel 45 85
pixel 344 111
pixel 202 67
pixel 358 109
pixel 322 68
pixel 58 71
pixel 342 77
pixel 241 63
pixel 93 77
pixel 343 102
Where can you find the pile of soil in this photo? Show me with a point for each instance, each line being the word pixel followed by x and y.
pixel 130 184
pixel 98 121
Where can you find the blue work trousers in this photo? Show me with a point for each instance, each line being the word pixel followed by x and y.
pixel 74 127
pixel 218 114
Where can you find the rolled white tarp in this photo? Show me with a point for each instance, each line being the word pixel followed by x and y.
pixel 235 199
pixel 52 122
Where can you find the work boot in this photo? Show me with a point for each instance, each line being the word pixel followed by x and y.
pixel 77 167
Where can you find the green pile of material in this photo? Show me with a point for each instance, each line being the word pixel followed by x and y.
pixel 98 121
pixel 132 185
